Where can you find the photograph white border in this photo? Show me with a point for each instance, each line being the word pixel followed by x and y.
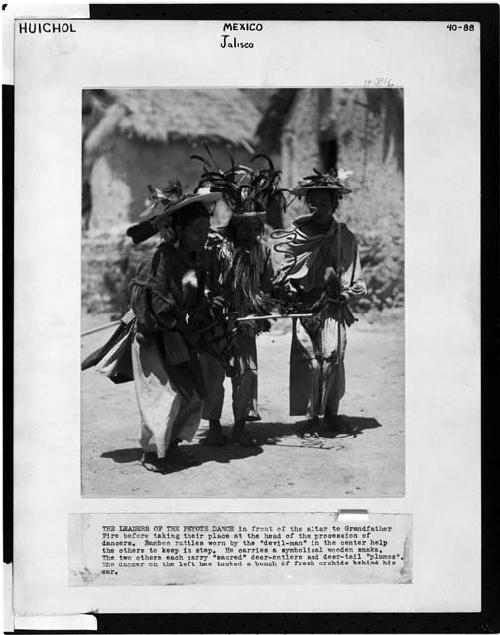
pixel 440 76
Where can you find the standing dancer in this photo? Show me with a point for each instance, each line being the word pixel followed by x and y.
pixel 166 292
pixel 240 272
pixel 321 270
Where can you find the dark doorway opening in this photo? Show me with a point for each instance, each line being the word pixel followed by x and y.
pixel 329 153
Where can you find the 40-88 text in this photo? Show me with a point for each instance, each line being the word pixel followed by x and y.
pixel 460 27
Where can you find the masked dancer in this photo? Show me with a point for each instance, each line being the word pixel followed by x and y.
pixel 239 273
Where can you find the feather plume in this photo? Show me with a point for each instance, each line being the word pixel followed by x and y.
pixel 245 188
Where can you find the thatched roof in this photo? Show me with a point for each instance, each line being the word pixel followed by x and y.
pixel 213 115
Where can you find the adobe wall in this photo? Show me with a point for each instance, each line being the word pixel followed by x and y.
pixel 120 177
pixel 299 146
pixel 360 135
pixel 109 260
pixel 375 209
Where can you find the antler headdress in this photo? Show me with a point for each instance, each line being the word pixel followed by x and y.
pixel 246 190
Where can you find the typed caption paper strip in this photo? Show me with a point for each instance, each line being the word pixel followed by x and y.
pixel 279 548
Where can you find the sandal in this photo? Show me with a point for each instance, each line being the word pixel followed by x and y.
pixel 214 439
pixel 214 436
pixel 337 423
pixel 310 430
pixel 152 463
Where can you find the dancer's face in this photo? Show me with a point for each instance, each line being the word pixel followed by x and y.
pixel 194 236
pixel 248 231
pixel 322 203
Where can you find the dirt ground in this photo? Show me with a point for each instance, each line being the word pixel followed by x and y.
pixel 370 462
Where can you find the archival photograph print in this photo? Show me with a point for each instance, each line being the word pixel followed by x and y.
pixel 242 321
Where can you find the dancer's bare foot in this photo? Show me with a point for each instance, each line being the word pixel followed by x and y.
pixel 151 462
pixel 242 436
pixel 337 424
pixel 310 430
pixel 215 436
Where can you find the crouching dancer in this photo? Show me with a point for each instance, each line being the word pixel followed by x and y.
pixel 320 271
pixel 166 291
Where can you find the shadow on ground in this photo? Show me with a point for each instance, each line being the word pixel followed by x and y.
pixel 269 433
pixel 202 454
pixel 128 455
pixel 266 433
pixel 354 427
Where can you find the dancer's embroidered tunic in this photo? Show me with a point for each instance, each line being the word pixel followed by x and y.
pixel 317 374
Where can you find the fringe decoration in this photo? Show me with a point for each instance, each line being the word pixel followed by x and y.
pixel 243 280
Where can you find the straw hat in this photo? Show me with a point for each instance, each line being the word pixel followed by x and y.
pixel 331 180
pixel 173 200
pixel 169 199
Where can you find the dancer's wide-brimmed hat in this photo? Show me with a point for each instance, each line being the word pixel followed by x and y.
pixel 161 206
pixel 172 201
pixel 331 180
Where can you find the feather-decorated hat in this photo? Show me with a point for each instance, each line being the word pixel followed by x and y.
pixel 162 204
pixel 248 191
pixel 331 180
pixel 172 198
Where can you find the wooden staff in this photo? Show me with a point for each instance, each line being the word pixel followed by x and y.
pixel 273 316
pixel 101 328
pixel 248 318
pixel 339 275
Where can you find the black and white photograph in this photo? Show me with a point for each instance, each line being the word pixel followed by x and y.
pixel 243 292
pixel 247 343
